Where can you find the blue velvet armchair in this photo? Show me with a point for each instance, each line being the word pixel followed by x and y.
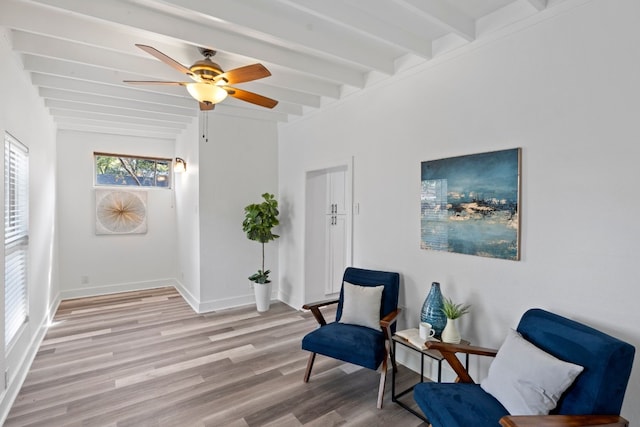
pixel 360 345
pixel 594 398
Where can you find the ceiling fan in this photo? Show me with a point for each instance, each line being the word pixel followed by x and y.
pixel 210 82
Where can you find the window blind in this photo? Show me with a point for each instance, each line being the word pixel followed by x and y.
pixel 16 235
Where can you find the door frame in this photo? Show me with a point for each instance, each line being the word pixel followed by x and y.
pixel 324 170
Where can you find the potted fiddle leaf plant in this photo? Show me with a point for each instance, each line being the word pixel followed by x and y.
pixel 452 311
pixel 258 224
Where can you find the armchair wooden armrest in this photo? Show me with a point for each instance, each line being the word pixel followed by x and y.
pixel 315 309
pixel 460 348
pixel 563 421
pixel 449 351
pixel 387 321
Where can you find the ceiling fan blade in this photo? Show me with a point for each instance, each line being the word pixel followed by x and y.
pixel 155 82
pixel 244 74
pixel 251 97
pixel 207 107
pixel 164 58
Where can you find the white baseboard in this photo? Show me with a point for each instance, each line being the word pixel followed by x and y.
pixel 221 304
pixel 225 303
pixel 187 296
pixel 115 288
pixel 211 305
pixel 197 305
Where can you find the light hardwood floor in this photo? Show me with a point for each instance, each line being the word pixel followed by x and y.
pixel 146 359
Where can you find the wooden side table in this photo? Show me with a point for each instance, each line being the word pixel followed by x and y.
pixel 433 354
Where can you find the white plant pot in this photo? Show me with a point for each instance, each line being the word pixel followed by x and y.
pixel 262 292
pixel 450 333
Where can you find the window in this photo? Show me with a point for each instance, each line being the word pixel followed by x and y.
pixel 16 235
pixel 115 169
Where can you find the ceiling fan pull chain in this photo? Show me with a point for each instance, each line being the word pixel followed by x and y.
pixel 206 121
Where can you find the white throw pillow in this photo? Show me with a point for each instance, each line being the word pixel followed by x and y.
pixel 527 380
pixel 361 305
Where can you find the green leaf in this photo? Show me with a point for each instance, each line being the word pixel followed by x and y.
pixel 260 219
pixel 260 277
pixel 453 310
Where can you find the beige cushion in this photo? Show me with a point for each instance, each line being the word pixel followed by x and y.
pixel 361 305
pixel 525 379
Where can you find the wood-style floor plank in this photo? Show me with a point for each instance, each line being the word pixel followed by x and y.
pixel 144 358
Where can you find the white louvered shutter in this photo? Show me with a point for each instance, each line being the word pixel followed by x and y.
pixel 16 235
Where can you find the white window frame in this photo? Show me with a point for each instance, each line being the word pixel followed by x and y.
pixel 157 178
pixel 16 237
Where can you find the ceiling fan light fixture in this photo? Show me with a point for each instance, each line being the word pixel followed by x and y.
pixel 207 92
pixel 210 86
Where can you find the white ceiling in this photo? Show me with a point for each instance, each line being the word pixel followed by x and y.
pixel 318 51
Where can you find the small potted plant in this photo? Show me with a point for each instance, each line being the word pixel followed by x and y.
pixel 452 311
pixel 260 218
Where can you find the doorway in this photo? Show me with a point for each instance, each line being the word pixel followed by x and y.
pixel 328 230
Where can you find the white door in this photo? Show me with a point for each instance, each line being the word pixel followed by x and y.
pixel 337 191
pixel 336 252
pixel 327 231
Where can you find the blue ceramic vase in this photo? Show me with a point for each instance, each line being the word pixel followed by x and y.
pixel 432 309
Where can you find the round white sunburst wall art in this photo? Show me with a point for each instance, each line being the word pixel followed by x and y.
pixel 121 212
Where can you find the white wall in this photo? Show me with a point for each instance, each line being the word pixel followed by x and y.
pixel 94 264
pixel 238 163
pixel 23 115
pixel 567 91
pixel 188 216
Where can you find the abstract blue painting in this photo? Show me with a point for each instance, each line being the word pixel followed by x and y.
pixel 471 204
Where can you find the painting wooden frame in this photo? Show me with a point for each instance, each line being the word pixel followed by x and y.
pixel 471 204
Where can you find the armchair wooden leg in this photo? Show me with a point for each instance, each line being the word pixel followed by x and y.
pixel 383 377
pixel 307 373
